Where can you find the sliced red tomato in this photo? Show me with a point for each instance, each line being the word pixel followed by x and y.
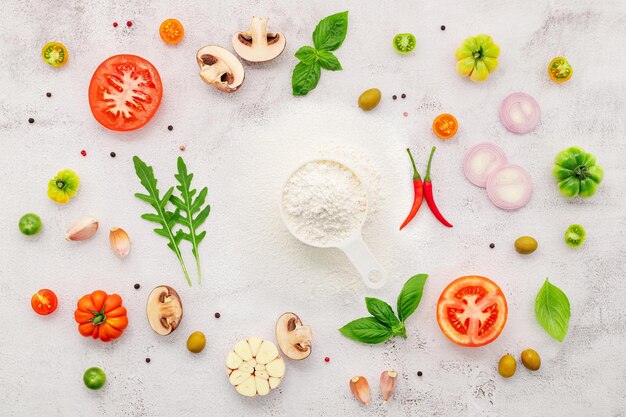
pixel 44 302
pixel 472 311
pixel 125 92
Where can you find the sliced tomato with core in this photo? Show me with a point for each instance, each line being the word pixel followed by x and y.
pixel 125 92
pixel 445 126
pixel 472 311
pixel 44 302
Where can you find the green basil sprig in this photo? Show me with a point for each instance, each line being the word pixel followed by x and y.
pixel 552 310
pixel 328 35
pixel 383 324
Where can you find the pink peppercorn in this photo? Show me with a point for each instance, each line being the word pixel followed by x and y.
pixel 182 147
pixel 114 24
pixel 405 114
pixel 129 23
pixel 83 152
pixel 326 359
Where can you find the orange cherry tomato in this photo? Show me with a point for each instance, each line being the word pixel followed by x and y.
pixel 445 126
pixel 44 302
pixel 101 316
pixel 171 31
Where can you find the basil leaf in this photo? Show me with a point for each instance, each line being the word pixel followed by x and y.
pixel 306 54
pixel 366 330
pixel 328 61
pixel 381 311
pixel 330 32
pixel 410 296
pixel 552 310
pixel 305 78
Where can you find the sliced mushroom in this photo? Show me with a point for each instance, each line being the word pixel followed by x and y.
pixel 293 338
pixel 220 68
pixel 164 310
pixel 257 44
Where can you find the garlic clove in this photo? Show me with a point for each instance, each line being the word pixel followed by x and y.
pixel 360 389
pixel 82 229
pixel 387 383
pixel 120 242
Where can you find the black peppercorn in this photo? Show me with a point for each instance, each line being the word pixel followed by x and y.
pixel 48 94
pixel 403 96
pixel 443 27
pixel 170 128
pixel 394 97
pixel 419 373
pixel 147 360
pixel 31 120
pixel 137 286
pixel 491 245
pixel 217 315
pixel 112 154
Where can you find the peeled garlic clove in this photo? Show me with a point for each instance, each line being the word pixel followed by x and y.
pixel 120 242
pixel 360 389
pixel 387 383
pixel 82 229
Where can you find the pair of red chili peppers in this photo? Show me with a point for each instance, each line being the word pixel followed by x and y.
pixel 423 190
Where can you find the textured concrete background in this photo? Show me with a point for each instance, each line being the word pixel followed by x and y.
pixel 243 145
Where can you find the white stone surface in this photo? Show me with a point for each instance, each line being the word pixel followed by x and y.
pixel 243 145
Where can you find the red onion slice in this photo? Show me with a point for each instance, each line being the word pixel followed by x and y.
pixel 509 187
pixel 481 161
pixel 520 113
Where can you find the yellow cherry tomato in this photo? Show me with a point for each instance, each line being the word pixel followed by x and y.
pixel 560 70
pixel 445 126
pixel 55 54
pixel 171 31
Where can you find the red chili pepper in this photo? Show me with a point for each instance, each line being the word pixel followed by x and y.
pixel 428 193
pixel 418 193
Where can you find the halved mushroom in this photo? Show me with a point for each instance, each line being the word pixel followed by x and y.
pixel 220 68
pixel 293 338
pixel 257 44
pixel 164 310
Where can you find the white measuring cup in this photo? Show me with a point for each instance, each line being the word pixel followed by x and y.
pixel 355 248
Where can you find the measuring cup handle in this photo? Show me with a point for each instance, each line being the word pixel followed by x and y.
pixel 362 258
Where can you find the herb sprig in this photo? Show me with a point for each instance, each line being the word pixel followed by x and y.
pixel 384 324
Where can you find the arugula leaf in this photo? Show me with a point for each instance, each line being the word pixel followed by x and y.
pixel 552 310
pixel 307 54
pixel 305 78
pixel 190 206
pixel 328 61
pixel 410 296
pixel 330 32
pixel 381 311
pixel 165 218
pixel 367 330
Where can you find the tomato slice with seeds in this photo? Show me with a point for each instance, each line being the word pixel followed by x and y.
pixel 171 31
pixel 445 126
pixel 125 92
pixel 55 54
pixel 44 302
pixel 472 311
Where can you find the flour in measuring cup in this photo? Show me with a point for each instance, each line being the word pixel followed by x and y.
pixel 324 203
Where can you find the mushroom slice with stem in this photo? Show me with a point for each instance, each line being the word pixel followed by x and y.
pixel 257 44
pixel 164 310
pixel 220 68
pixel 293 338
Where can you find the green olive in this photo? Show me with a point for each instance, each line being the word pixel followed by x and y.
pixel 526 245
pixel 369 99
pixel 531 359
pixel 196 342
pixel 507 366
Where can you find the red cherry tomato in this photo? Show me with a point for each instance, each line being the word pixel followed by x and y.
pixel 44 302
pixel 125 92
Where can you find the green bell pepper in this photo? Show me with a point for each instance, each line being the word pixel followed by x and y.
pixel 576 172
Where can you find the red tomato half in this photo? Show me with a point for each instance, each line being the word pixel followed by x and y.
pixel 472 311
pixel 44 302
pixel 125 92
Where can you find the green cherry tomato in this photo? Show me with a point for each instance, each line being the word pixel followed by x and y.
pixel 404 42
pixel 94 378
pixel 575 235
pixel 63 186
pixel 30 224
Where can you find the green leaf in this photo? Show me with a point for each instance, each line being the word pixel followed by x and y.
pixel 410 296
pixel 328 61
pixel 330 32
pixel 307 54
pixel 366 330
pixel 163 217
pixel 305 78
pixel 552 310
pixel 381 311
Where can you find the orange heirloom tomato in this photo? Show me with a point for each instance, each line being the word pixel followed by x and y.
pixel 171 31
pixel 101 316
pixel 445 126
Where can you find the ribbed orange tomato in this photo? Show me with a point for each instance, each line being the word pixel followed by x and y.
pixel 101 316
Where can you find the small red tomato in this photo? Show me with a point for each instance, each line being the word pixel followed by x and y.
pixel 44 302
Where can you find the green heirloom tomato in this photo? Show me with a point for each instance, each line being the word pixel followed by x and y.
pixel 64 186
pixel 477 57
pixel 30 224
pixel 94 378
pixel 576 172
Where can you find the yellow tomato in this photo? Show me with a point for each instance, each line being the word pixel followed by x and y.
pixel 560 70
pixel 55 54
